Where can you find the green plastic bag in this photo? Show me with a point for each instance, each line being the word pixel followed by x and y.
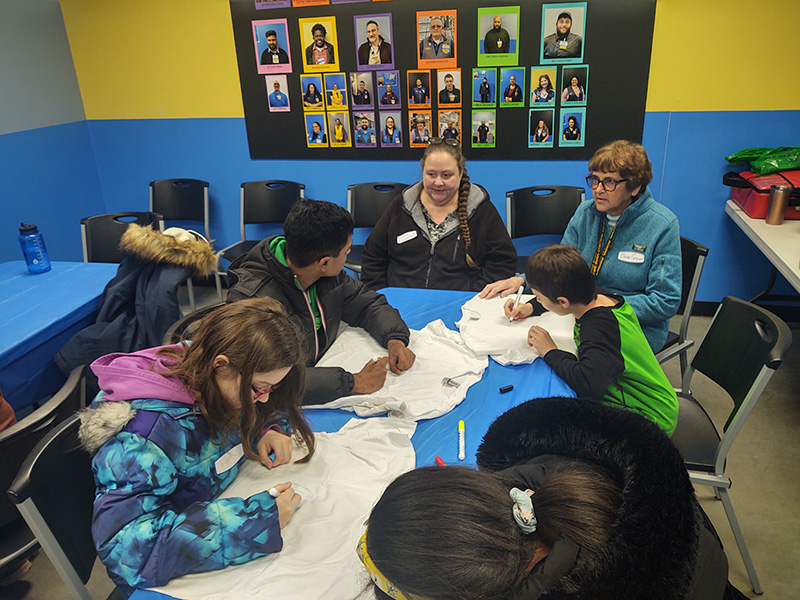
pixel 768 160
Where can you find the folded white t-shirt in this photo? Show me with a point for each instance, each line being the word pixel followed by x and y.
pixel 421 391
pixel 486 330
pixel 339 485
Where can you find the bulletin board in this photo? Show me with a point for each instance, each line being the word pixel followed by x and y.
pixel 372 80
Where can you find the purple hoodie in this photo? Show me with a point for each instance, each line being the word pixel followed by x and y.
pixel 137 375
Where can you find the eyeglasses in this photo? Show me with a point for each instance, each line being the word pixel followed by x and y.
pixel 257 393
pixel 436 26
pixel 440 140
pixel 609 184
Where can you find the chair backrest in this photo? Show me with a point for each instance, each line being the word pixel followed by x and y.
pixel 184 326
pixel 368 201
pixel 17 441
pixel 181 199
pixel 267 201
pixel 54 491
pixel 101 234
pixel 742 348
pixel 541 209
pixel 693 258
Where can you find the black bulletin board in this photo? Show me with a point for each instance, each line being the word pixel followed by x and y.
pixel 617 40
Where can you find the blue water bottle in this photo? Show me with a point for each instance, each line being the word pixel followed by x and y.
pixel 33 249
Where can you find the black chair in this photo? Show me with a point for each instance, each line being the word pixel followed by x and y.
pixel 367 202
pixel 693 258
pixel 101 234
pixel 541 209
pixel 54 491
pixel 740 352
pixel 17 542
pixel 263 202
pixel 184 326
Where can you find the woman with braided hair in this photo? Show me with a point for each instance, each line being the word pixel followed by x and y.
pixel 442 232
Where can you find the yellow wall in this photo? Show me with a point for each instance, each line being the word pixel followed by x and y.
pixel 151 59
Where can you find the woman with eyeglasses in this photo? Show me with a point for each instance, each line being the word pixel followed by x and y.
pixel 631 242
pixel 442 232
pixel 169 431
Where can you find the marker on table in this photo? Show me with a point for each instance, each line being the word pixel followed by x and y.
pixel 516 302
pixel 461 450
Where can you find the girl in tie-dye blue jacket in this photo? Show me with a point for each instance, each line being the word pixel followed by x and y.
pixel 158 472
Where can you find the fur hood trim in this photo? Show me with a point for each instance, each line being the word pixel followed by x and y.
pixel 100 424
pixel 151 245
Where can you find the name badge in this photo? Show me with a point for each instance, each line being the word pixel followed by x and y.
pixel 631 257
pixel 275 58
pixel 499 43
pixel 229 459
pixel 562 44
pixel 445 48
pixel 404 237
pixel 452 97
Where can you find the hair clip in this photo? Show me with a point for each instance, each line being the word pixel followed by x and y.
pixel 523 510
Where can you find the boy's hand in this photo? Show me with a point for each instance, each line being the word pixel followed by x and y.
pixel 504 287
pixel 523 310
pixel 400 357
pixel 371 378
pixel 540 340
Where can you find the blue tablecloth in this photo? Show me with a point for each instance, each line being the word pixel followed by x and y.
pixel 38 315
pixel 483 404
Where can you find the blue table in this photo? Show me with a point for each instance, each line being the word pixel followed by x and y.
pixel 38 315
pixel 483 404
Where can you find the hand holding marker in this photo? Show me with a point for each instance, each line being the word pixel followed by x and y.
pixel 516 303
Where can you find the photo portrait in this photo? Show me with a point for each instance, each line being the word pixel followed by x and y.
pixel 320 44
pixel 498 36
pixel 277 98
pixel 573 125
pixel 391 135
pixel 364 130
pixel 419 128
pixel 436 32
pixel 512 87
pixel 483 128
pixel 311 92
pixel 265 4
pixel 389 94
pixel 339 126
pixel 484 87
pixel 419 89
pixel 449 87
pixel 336 97
pixel 540 128
pixel 374 50
pixel 563 28
pixel 574 85
pixel 450 124
pixel 362 90
pixel 316 134
pixel 271 41
pixel 543 86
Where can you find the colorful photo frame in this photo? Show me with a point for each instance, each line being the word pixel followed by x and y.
pixel 498 36
pixel 436 34
pixel 364 130
pixel 271 44
pixel 449 88
pixel 374 42
pixel 311 93
pixel 542 130
pixel 420 125
pixel 362 90
pixel 560 45
pixel 313 32
pixel 339 128
pixel 299 3
pixel 391 137
pixel 575 85
pixel 316 130
pixel 512 87
pixel 336 92
pixel 573 127
pixel 484 87
pixel 543 87
pixel 449 124
pixel 389 93
pixel 484 128
pixel 267 4
pixel 277 93
pixel 419 89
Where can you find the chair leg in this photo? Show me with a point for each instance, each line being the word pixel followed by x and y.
pixel 190 290
pixel 739 537
pixel 218 281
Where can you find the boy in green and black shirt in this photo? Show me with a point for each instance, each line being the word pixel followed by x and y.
pixel 615 363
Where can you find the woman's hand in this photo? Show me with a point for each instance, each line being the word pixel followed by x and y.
pixel 287 502
pixel 522 311
pixel 504 287
pixel 279 444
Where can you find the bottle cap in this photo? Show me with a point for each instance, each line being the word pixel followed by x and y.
pixel 25 229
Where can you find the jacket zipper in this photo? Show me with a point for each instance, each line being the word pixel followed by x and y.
pixel 430 264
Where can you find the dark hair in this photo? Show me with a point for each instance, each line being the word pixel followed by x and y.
pixel 447 533
pixel 572 118
pixel 371 22
pixel 315 229
pixel 559 270
pixel 256 335
pixel 319 27
pixel 463 189
pixel 549 87
pixel 308 87
pixel 386 128
pixel 271 32
pixel 629 159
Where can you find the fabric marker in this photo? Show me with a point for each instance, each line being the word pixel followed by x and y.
pixel 461 450
pixel 440 462
pixel 516 303
pixel 506 388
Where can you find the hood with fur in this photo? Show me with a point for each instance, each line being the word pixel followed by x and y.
pixel 151 245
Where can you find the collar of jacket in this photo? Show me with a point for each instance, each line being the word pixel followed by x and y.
pixel 150 245
pixel 413 206
pixel 638 207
